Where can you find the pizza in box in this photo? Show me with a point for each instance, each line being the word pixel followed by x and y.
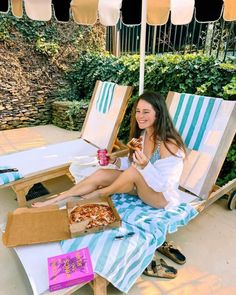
pixel 92 215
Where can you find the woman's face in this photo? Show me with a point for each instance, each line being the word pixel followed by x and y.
pixel 145 114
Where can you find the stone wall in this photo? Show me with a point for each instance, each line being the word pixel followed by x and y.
pixel 27 80
pixel 69 115
pixel 30 74
pixel 21 112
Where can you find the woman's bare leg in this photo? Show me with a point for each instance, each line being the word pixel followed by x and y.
pixel 126 182
pixel 100 178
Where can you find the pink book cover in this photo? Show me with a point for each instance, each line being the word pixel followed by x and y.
pixel 70 269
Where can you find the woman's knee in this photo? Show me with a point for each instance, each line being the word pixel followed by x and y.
pixel 133 173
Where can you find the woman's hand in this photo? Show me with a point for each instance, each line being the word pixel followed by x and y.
pixel 112 159
pixel 140 159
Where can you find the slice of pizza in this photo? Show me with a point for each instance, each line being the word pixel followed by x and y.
pixel 135 143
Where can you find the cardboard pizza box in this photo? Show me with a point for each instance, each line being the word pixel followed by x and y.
pixel 27 226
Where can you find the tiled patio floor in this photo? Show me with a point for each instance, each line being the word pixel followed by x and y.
pixel 15 140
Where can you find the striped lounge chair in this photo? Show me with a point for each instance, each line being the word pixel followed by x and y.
pixel 207 126
pixel 100 129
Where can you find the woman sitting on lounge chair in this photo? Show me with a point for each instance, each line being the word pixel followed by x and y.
pixel 152 170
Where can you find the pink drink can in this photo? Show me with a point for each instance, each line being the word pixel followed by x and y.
pixel 102 157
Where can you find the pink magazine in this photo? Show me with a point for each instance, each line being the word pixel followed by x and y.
pixel 70 269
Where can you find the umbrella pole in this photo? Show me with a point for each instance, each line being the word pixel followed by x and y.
pixel 142 46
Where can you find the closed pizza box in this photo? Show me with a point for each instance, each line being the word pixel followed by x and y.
pixel 27 226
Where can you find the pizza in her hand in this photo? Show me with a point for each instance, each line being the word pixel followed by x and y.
pixel 135 143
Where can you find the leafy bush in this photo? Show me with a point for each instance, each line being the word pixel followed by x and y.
pixel 4 29
pixel 86 72
pixel 47 48
pixel 191 73
pixel 228 171
pixel 230 88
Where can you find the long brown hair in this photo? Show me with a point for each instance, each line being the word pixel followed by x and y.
pixel 163 126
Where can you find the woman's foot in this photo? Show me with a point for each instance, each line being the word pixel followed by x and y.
pixel 43 204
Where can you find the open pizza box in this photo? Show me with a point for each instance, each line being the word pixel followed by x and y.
pixel 27 226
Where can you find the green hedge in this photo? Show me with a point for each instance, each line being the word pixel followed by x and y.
pixel 190 73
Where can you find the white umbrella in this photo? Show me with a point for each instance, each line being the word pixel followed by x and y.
pixel 142 46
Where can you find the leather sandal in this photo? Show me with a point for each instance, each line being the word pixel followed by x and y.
pixel 170 251
pixel 158 268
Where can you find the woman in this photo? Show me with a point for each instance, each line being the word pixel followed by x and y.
pixel 153 172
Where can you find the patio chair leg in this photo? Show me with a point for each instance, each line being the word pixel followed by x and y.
pixel 21 195
pixel 100 285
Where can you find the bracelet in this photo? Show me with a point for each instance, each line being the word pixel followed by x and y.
pixel 115 162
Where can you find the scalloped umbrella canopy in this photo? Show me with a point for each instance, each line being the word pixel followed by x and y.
pixel 130 12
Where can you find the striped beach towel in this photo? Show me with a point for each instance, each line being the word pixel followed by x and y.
pixel 8 176
pixel 105 97
pixel 193 116
pixel 122 261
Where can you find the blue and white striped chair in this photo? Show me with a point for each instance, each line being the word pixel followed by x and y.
pixel 207 126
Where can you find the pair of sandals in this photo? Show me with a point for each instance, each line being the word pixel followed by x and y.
pixel 159 268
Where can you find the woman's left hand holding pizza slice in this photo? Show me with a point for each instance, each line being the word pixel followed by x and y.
pixel 140 159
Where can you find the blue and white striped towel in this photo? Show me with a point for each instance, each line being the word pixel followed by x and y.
pixel 9 176
pixel 193 116
pixel 105 97
pixel 121 262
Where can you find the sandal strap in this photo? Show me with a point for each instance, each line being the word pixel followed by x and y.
pixel 159 269
pixel 168 244
pixel 154 266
